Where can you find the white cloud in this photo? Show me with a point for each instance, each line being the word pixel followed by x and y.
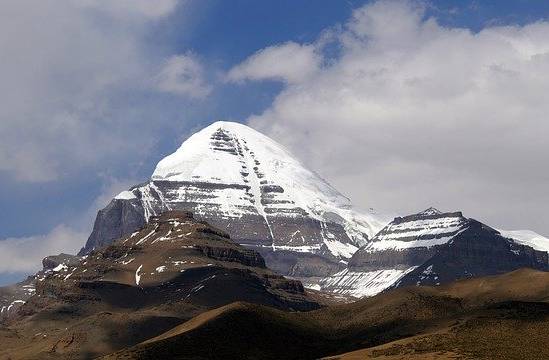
pixel 66 67
pixel 183 75
pixel 123 8
pixel 412 114
pixel 26 254
pixel 290 62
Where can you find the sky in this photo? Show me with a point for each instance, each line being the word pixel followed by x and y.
pixel 400 105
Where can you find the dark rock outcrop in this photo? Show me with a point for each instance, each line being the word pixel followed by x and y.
pixel 120 217
pixel 477 251
pixel 52 261
pixel 172 255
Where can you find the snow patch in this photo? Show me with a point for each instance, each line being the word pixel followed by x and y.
pixel 60 267
pixel 527 237
pixel 340 249
pixel 137 275
pixel 313 286
pixel 125 195
pixel 362 283
pixel 127 261
pixel 401 245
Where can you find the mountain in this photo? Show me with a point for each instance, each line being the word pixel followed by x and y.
pixel 432 248
pixel 498 317
pixel 246 184
pixel 140 286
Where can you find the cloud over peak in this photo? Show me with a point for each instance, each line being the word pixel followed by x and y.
pixel 289 62
pixel 411 113
pixel 183 75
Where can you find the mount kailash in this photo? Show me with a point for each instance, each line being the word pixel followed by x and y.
pixel 245 183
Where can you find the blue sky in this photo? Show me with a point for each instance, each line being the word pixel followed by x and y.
pixel 112 135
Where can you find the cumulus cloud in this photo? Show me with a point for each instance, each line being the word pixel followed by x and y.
pixel 289 62
pixel 67 70
pixel 410 113
pixel 26 254
pixel 183 75
pixel 123 8
pixel 71 72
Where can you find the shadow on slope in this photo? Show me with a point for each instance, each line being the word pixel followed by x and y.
pixel 494 317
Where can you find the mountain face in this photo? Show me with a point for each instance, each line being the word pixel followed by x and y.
pixel 175 251
pixel 140 286
pixel 251 187
pixel 432 248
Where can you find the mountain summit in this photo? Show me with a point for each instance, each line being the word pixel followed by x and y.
pixel 434 248
pixel 252 187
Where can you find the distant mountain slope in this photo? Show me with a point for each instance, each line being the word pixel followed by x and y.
pixel 431 248
pixel 499 317
pixel 248 185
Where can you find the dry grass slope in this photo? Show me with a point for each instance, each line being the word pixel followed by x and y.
pixel 498 317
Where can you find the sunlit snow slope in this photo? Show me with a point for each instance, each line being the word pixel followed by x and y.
pixel 527 237
pixel 247 184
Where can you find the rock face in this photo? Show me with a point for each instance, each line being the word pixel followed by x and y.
pixel 120 217
pixel 53 261
pixel 431 248
pixel 12 297
pixel 175 255
pixel 251 187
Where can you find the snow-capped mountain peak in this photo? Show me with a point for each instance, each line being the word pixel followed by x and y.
pixel 249 185
pixel 233 154
pixel 200 156
pixel 424 229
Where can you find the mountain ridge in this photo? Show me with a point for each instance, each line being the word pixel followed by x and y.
pixel 170 270
pixel 431 248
